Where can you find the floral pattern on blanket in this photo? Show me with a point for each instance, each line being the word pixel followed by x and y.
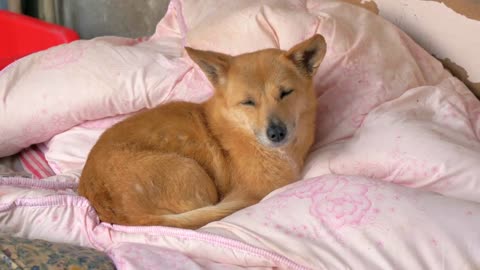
pixel 336 207
pixel 19 253
pixel 334 202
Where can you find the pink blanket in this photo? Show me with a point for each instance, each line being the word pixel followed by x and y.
pixel 391 183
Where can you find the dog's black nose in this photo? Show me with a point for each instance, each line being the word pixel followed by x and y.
pixel 276 132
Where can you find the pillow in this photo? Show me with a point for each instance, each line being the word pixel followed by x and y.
pixel 427 138
pixel 51 91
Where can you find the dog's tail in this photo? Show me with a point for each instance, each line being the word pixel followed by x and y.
pixel 196 218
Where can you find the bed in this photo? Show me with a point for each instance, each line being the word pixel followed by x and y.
pixel 392 181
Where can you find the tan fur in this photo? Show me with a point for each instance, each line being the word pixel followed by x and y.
pixel 184 165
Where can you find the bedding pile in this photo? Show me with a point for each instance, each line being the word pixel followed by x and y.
pixel 392 181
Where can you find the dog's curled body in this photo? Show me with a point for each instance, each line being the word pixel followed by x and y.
pixel 184 165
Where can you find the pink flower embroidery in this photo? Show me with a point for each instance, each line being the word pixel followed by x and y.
pixel 311 188
pixel 60 56
pixel 345 206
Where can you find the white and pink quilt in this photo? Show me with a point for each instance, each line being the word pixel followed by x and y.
pixel 392 182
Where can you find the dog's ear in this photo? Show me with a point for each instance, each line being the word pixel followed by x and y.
pixel 214 65
pixel 308 54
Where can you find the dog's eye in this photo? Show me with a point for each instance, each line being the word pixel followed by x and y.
pixel 285 92
pixel 248 102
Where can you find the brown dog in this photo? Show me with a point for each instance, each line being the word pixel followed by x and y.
pixel 184 165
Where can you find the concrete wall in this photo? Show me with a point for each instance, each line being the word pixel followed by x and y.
pixel 92 18
pixel 128 18
pixel 3 4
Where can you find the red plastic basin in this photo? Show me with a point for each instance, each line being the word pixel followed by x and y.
pixel 21 35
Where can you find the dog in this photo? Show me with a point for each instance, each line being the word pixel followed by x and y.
pixel 185 164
